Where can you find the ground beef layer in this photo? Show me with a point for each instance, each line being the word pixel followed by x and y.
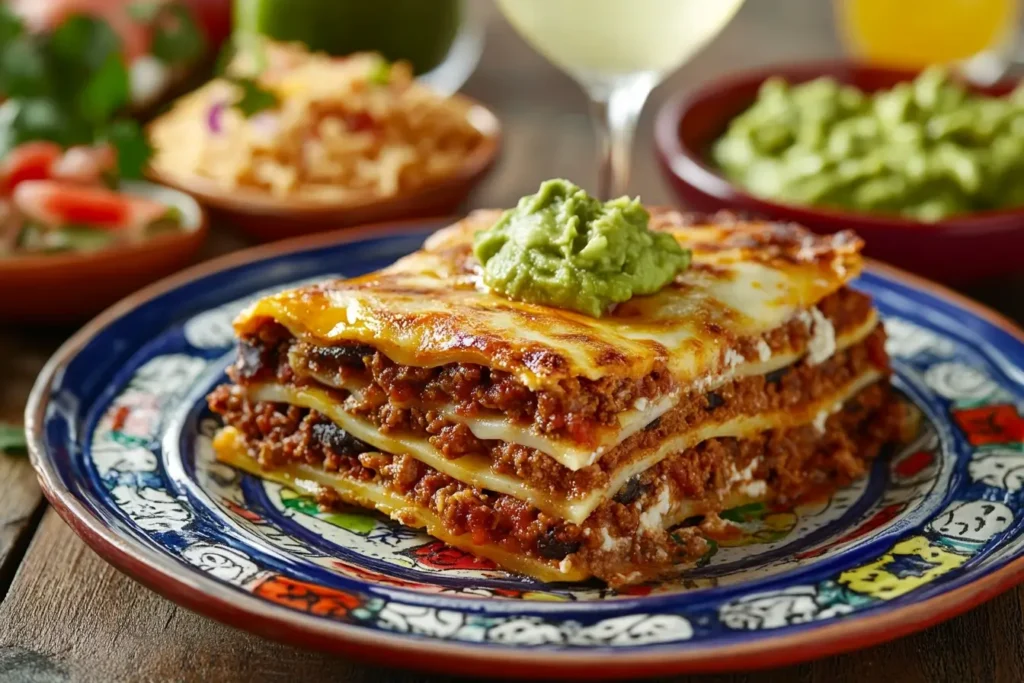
pixel 789 389
pixel 574 408
pixel 618 542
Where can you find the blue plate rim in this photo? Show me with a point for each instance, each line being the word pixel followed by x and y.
pixel 206 596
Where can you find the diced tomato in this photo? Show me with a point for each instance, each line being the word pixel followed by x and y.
pixel 359 121
pixel 582 430
pixel 55 204
pixel 58 203
pixel 28 161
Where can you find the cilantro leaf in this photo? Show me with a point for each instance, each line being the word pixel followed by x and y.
pixel 106 92
pixel 176 38
pixel 78 50
pixel 12 439
pixel 254 97
pixel 38 118
pixel 67 86
pixel 240 62
pixel 133 150
pixel 24 119
pixel 84 43
pixel 13 128
pixel 10 25
pixel 23 69
pixel 380 73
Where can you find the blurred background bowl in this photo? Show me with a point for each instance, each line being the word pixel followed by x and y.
pixel 266 217
pixel 71 287
pixel 957 249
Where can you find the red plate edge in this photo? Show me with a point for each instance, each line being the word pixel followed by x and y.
pixel 244 611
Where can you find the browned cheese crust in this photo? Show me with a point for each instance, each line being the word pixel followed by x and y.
pixel 573 407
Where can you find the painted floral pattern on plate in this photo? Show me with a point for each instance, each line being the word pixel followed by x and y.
pixel 942 509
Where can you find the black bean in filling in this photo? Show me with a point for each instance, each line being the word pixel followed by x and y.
pixel 338 440
pixel 630 491
pixel 350 355
pixel 551 547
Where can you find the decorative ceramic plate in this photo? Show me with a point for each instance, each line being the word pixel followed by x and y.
pixel 120 436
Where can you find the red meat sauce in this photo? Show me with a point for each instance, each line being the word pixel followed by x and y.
pixel 792 462
pixel 574 408
pixel 792 389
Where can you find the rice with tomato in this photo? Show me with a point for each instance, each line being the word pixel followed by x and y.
pixel 341 128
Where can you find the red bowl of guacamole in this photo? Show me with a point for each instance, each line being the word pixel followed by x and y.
pixel 955 249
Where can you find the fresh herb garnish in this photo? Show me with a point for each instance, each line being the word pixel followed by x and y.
pixel 22 65
pixel 35 118
pixel 10 26
pixel 133 149
pixel 254 99
pixel 69 86
pixel 241 61
pixel 105 92
pixel 380 73
pixel 12 439
pixel 81 45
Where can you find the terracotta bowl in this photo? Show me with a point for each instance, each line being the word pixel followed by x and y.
pixel 953 250
pixel 70 287
pixel 266 217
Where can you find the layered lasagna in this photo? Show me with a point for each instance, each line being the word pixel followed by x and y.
pixel 558 445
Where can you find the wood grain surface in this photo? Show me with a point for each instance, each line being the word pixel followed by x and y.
pixel 75 618
pixel 68 616
pixel 21 357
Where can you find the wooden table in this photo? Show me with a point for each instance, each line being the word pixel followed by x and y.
pixel 67 615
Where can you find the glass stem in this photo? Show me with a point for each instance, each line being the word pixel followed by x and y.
pixel 615 109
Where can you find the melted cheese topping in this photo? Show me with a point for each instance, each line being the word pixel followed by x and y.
pixel 476 471
pixel 428 309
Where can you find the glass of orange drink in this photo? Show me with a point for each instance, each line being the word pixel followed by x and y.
pixel 917 33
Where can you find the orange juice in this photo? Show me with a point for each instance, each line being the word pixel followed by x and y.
pixel 916 33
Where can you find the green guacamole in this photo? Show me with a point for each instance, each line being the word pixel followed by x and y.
pixel 563 248
pixel 925 150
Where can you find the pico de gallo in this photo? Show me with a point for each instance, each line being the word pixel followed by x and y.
pixel 67 140
pixel 54 200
